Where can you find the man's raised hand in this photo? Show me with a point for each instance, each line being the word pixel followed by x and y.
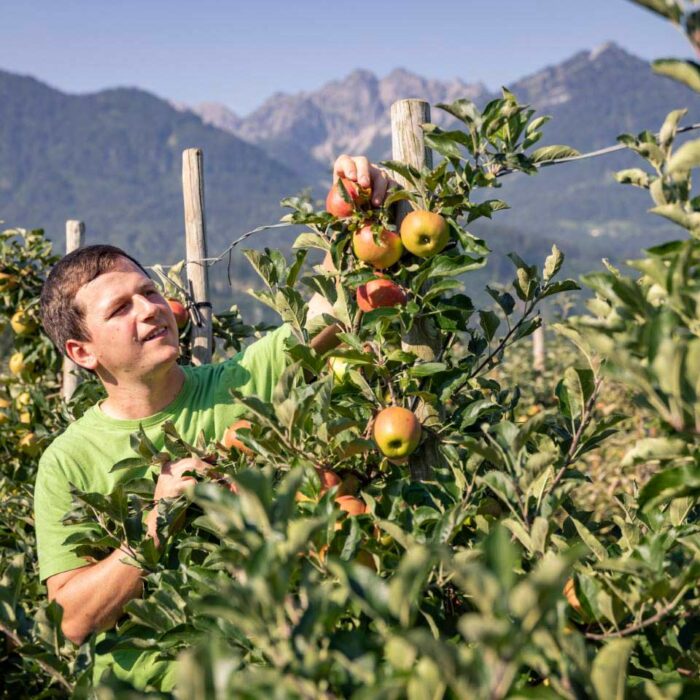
pixel 360 170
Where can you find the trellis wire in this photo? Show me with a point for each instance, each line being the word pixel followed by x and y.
pixel 582 156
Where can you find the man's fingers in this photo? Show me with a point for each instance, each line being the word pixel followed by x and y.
pixel 344 167
pixel 189 464
pixel 380 184
pixel 362 168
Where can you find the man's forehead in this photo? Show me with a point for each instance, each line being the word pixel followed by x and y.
pixel 104 287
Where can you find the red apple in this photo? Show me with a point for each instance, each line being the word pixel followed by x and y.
pixel 351 505
pixel 179 311
pixel 336 205
pixel 379 293
pixel 380 255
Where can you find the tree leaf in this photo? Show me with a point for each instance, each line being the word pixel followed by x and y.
pixel 686 157
pixel 609 671
pixel 552 153
pixel 686 72
pixel 669 484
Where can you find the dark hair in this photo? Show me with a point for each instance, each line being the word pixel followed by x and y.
pixel 61 316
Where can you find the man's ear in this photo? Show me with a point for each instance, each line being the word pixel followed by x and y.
pixel 79 351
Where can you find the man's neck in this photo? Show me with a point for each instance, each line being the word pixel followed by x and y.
pixel 135 400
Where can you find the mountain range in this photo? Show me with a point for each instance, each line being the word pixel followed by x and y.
pixel 113 158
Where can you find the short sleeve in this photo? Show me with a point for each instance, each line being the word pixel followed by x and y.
pixel 52 501
pixel 265 360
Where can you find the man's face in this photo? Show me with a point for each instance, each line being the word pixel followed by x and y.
pixel 131 326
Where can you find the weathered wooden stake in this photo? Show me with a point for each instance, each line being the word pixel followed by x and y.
pixel 196 250
pixel 75 238
pixel 539 355
pixel 408 142
pixel 408 146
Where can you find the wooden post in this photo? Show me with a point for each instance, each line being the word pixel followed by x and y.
pixel 538 350
pixel 196 249
pixel 408 142
pixel 75 238
pixel 408 146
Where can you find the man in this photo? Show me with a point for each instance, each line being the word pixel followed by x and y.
pixel 102 310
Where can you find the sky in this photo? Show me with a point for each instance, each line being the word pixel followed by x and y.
pixel 241 53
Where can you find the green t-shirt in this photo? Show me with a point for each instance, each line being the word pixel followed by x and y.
pixel 85 452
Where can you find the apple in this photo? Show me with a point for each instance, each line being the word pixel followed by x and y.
pixel 351 505
pixel 570 595
pixel 365 558
pixel 22 323
pixel 180 313
pixel 339 368
pixel 397 432
pixel 231 441
pixel 381 255
pixel 7 281
pixel 23 399
pixel 328 479
pixel 336 205
pixel 379 293
pixel 424 233
pixel 17 364
pixel 4 403
pixel 29 444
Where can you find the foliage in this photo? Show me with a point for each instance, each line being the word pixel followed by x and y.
pixel 475 568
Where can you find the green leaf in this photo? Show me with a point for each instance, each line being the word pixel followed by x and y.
pixel 667 133
pixel 669 484
pixel 407 583
pixel 426 369
pixel 553 153
pixel 649 449
pixel 559 287
pixel 609 671
pixel 489 322
pixel 552 263
pixel 501 556
pixel 686 72
pixel 311 240
pixel 686 157
pixel 447 143
pixel 129 463
pixel 589 539
pixel 633 176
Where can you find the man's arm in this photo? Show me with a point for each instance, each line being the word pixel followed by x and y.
pixel 93 597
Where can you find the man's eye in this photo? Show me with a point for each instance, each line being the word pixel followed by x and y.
pixel 118 310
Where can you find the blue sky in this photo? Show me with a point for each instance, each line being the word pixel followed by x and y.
pixel 240 53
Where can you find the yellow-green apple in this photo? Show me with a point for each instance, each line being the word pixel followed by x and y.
pixel 339 367
pixel 17 364
pixel 379 293
pixel 397 432
pixel 383 254
pixel 424 233
pixel 29 444
pixel 22 323
pixel 179 311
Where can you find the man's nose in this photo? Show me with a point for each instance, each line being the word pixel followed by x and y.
pixel 145 306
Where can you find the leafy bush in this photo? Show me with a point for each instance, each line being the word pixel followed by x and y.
pixel 473 568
